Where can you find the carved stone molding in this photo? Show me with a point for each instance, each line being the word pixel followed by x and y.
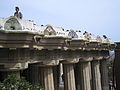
pixel 86 59
pixel 71 61
pixel 13 66
pixel 47 63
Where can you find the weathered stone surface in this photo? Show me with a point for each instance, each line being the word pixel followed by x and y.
pixel 69 77
pixel 44 47
pixel 117 66
pixel 96 77
pixel 46 78
pixel 83 76
pixel 104 74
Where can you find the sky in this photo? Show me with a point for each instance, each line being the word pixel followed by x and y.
pixel 99 17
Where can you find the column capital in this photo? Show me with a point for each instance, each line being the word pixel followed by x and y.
pixel 86 59
pixel 97 57
pixel 48 63
pixel 14 66
pixel 71 61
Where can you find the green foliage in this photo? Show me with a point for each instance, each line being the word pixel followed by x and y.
pixel 14 83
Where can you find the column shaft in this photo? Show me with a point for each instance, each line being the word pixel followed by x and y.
pixel 85 76
pixel 46 78
pixel 33 74
pixel 56 76
pixel 104 75
pixel 42 75
pixel 77 76
pixel 96 78
pixel 69 77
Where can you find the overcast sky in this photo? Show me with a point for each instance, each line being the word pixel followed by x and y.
pixel 95 16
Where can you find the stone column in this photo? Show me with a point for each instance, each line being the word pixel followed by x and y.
pixel 96 78
pixel 104 74
pixel 46 78
pixel 69 77
pixel 33 72
pixel 83 76
pixel 44 73
pixel 56 76
pixel 77 76
pixel 89 65
pixel 116 66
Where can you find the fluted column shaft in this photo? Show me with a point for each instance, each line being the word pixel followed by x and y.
pixel 104 74
pixel 69 77
pixel 46 78
pixel 96 78
pixel 33 74
pixel 85 75
pixel 42 75
pixel 56 76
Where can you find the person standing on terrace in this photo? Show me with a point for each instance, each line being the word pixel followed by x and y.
pixel 17 13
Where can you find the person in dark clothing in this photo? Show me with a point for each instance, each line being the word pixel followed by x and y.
pixel 17 13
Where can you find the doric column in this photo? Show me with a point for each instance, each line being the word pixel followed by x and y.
pixel 69 77
pixel 116 66
pixel 104 74
pixel 46 78
pixel 47 74
pixel 96 78
pixel 41 74
pixel 56 76
pixel 33 73
pixel 69 73
pixel 83 75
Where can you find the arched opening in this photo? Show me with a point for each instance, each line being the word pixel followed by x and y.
pixel 12 24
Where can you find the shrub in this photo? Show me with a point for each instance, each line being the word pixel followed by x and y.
pixel 14 83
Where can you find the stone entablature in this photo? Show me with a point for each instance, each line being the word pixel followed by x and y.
pixel 47 44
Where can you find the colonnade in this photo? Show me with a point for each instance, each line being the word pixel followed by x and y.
pixel 82 75
pixel 84 64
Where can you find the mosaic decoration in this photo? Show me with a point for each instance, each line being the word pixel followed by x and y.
pixel 72 34
pixel 12 24
pixel 49 31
